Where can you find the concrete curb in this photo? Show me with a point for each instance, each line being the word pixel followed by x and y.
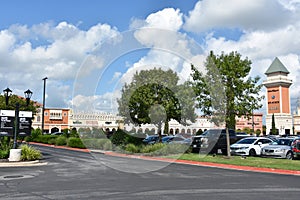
pixel 23 163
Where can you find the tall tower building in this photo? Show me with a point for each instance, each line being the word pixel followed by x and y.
pixel 278 98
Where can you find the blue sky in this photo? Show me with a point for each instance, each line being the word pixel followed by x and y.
pixel 89 49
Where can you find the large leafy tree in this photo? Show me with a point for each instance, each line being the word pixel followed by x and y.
pixel 226 90
pixel 13 99
pixel 154 97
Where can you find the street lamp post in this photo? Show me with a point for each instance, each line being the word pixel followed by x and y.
pixel 43 109
pixel 7 93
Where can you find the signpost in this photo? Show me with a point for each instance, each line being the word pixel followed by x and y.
pixel 7 119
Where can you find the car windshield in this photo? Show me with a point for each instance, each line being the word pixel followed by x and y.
pixel 246 141
pixel 212 133
pixel 287 142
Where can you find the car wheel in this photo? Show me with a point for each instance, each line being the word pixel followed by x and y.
pixel 289 155
pixel 252 152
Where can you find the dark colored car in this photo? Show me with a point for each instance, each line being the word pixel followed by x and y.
pixel 152 139
pixel 57 133
pixel 214 139
pixel 296 148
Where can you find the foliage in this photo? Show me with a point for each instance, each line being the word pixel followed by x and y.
pixel 61 140
pixel 132 148
pixel 13 99
pixel 45 138
pixel 153 148
pixel 75 143
pixel 98 133
pixel 92 143
pixel 154 97
pixel 199 132
pixel 273 128
pixel 5 146
pixel 30 153
pixel 36 132
pixel 223 92
pixel 118 138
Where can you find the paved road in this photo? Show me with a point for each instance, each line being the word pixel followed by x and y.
pixel 79 175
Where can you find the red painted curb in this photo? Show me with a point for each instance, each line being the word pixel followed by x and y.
pixel 210 164
pixel 61 147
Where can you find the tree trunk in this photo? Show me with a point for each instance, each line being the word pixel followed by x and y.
pixel 228 142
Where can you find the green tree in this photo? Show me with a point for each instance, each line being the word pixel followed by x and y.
pixel 224 92
pixel 13 99
pixel 154 97
pixel 273 126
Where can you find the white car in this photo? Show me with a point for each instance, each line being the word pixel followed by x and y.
pixel 250 146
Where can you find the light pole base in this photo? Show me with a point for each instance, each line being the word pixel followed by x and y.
pixel 14 155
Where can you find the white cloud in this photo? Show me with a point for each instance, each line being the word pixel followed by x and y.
pixel 30 53
pixel 246 15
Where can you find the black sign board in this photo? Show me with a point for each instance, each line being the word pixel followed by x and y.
pixel 7 126
pixel 24 126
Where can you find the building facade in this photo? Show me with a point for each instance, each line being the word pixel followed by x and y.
pixel 55 119
pixel 296 119
pixel 106 121
pixel 254 122
pixel 278 98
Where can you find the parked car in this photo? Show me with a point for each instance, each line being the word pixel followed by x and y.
pixel 214 139
pixel 152 139
pixel 296 147
pixel 279 149
pixel 250 146
pixel 57 133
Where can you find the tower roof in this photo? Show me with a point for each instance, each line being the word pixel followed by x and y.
pixel 277 66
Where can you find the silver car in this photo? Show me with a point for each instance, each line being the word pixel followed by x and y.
pixel 279 149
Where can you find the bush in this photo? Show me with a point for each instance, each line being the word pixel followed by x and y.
pixel 132 148
pixel 118 138
pixel 30 153
pixel 52 141
pixel 152 148
pixel 61 140
pixel 107 145
pixel 45 138
pixel 5 146
pixel 75 142
pixel 95 143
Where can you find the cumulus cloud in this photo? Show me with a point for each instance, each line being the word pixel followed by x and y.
pixel 57 51
pixel 246 15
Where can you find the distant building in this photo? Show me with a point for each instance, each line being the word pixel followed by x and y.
pixel 255 123
pixel 278 98
pixel 106 121
pixel 296 118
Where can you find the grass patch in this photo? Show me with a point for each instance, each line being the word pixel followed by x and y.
pixel 249 161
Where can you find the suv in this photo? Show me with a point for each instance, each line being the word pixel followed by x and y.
pixel 296 147
pixel 214 139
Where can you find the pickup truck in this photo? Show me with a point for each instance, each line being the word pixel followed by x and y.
pixel 214 139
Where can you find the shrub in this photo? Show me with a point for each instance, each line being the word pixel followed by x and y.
pixel 95 143
pixel 52 141
pixel 107 145
pixel 5 146
pixel 28 139
pixel 30 153
pixel 4 154
pixel 118 138
pixel 132 148
pixel 61 140
pixel 152 148
pixel 75 142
